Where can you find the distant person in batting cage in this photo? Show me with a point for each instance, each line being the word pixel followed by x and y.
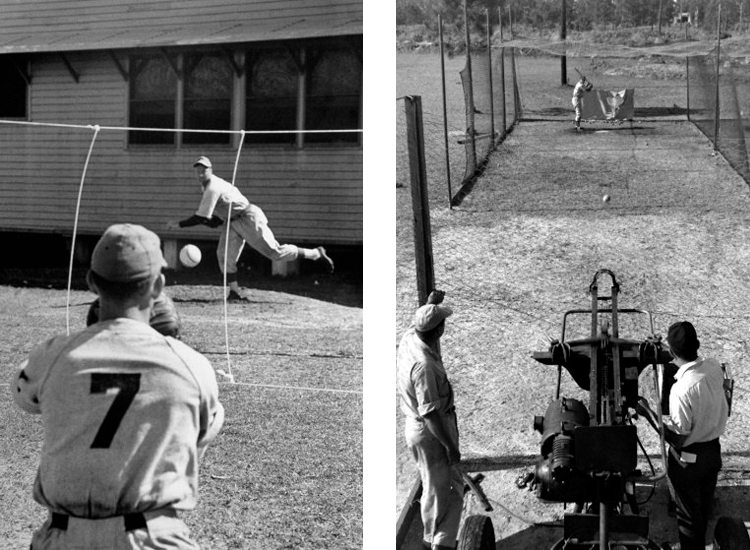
pixel 248 224
pixel 581 87
pixel 431 429
pixel 127 413
pixel 698 411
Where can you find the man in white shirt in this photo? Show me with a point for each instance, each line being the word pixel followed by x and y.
pixel 698 412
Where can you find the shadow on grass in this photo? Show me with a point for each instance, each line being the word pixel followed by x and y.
pixel 343 288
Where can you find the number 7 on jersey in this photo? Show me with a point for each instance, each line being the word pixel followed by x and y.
pixel 127 385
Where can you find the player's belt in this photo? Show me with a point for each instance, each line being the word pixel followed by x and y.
pixel 684 457
pixel 689 454
pixel 131 522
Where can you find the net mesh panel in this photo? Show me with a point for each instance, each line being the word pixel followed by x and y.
pixel 702 104
pixel 484 123
pixel 491 103
pixel 469 140
pixel 735 48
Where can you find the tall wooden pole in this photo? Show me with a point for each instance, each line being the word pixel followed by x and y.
pixel 717 114
pixel 659 18
pixel 510 21
pixel 470 133
pixel 420 202
pixel 445 115
pixel 489 76
pixel 502 70
pixel 563 36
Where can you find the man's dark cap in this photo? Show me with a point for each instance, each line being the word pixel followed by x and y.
pixel 683 340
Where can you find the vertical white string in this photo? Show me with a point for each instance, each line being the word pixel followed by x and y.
pixel 75 226
pixel 226 250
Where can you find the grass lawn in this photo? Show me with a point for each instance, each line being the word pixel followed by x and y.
pixel 286 470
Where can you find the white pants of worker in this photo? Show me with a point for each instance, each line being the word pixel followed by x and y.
pixel 162 532
pixel 442 486
pixel 252 227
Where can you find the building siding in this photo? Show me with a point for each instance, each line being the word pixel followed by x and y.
pixel 69 25
pixel 312 195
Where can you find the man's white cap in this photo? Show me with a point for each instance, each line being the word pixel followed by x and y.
pixel 429 316
pixel 203 161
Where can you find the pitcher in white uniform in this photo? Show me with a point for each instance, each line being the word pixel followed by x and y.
pixel 249 225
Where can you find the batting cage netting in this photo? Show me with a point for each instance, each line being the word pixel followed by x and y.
pixel 718 104
pixel 531 226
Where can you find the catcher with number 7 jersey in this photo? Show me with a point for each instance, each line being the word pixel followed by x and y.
pixel 127 412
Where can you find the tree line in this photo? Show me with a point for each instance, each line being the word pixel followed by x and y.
pixel 581 15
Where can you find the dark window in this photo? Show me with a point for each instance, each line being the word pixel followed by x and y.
pixel 153 91
pixel 271 99
pixel 333 94
pixel 12 87
pixel 208 98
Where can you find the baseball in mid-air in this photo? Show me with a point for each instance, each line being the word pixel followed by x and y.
pixel 190 255
pixel 605 198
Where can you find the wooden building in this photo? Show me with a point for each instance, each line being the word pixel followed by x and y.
pixel 277 66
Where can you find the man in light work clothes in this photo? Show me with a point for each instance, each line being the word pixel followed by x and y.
pixel 431 429
pixel 698 412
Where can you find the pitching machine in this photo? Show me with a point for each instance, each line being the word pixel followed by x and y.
pixel 589 452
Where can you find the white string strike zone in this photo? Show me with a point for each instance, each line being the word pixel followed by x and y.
pixel 96 128
pixel 300 388
pixel 174 130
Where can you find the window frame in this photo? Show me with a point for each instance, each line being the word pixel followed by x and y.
pixel 240 57
pixel 21 65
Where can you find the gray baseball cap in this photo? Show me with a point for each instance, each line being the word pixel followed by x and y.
pixel 127 252
pixel 203 161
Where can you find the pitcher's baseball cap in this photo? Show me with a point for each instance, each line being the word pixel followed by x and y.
pixel 683 340
pixel 203 161
pixel 429 316
pixel 126 253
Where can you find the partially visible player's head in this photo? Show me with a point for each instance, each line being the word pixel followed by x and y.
pixel 126 266
pixel 429 321
pixel 203 169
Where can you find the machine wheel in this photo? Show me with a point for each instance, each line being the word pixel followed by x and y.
pixel 731 534
pixel 477 533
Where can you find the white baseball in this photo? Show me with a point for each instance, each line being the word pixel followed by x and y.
pixel 190 255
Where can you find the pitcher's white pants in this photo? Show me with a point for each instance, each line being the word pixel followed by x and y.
pixel 252 227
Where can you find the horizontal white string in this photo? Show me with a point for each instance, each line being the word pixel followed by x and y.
pixel 302 388
pixel 94 127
